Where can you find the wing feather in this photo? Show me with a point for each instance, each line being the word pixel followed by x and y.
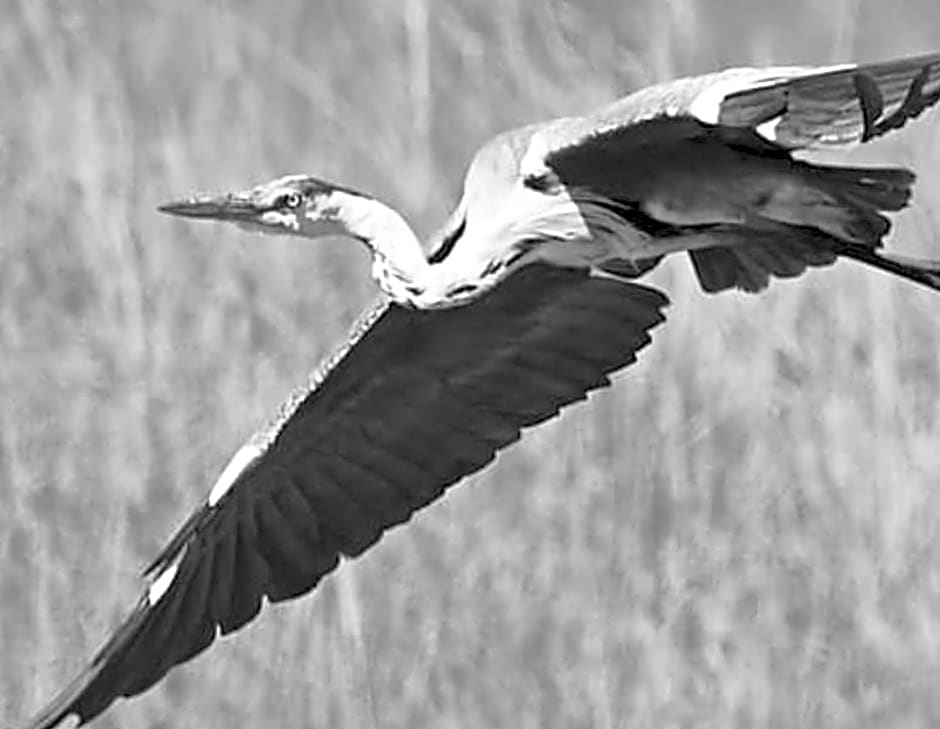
pixel 388 499
pixel 416 403
pixel 840 106
pixel 248 571
pixel 197 608
pixel 795 107
pixel 223 568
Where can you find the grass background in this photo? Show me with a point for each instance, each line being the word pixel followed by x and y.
pixel 742 532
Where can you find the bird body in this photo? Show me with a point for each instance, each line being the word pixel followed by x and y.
pixel 522 305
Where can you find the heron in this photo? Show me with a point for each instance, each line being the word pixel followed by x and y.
pixel 524 302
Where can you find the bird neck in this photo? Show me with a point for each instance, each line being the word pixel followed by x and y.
pixel 399 265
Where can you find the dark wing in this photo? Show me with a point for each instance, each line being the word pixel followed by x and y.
pixel 416 402
pixel 708 159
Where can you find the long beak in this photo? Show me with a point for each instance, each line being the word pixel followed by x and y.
pixel 236 208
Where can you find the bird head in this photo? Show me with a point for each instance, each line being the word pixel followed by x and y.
pixel 305 206
pixel 297 205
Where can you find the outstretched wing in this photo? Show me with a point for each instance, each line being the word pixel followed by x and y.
pixel 708 160
pixel 414 403
pixel 795 107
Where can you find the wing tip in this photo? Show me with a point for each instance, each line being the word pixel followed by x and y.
pixel 64 705
pixel 81 698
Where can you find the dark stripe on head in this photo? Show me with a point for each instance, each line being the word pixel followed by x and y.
pixel 313 185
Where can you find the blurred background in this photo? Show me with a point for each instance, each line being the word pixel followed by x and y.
pixel 742 532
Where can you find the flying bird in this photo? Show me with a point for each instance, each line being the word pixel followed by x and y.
pixel 523 303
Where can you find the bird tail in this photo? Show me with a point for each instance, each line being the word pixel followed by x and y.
pixel 836 211
pixel 855 199
pixel 854 216
pixel 846 203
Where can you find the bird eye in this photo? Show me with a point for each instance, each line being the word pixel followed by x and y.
pixel 290 200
